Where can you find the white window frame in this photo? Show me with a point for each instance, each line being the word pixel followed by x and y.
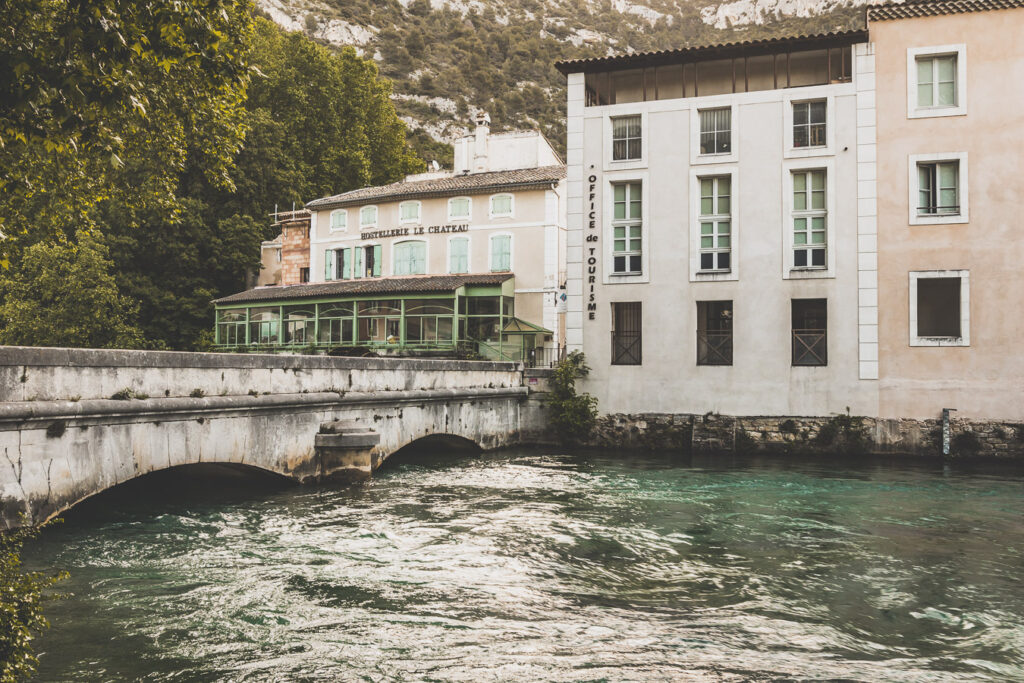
pixel 469 253
pixel 419 213
pixel 959 50
pixel 965 308
pixel 643 139
pixel 791 152
pixel 511 252
pixel 330 221
pixel 607 276
pixel 696 274
pixel 364 245
pixel 394 259
pixel 962 189
pixel 714 102
pixel 376 216
pixel 512 205
pixel 469 214
pixel 631 109
pixel 832 219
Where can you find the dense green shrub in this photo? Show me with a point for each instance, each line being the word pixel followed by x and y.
pixel 22 595
pixel 572 416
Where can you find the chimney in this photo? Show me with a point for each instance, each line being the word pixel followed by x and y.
pixel 483 130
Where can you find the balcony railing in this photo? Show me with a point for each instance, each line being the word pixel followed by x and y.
pixel 544 357
pixel 810 347
pixel 714 348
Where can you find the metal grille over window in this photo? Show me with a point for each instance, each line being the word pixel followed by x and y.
pixel 627 228
pixel 715 223
pixel 714 333
pixel 936 81
pixel 627 339
pixel 810 332
pixel 716 131
pixel 809 124
pixel 938 191
pixel 809 219
pixel 626 138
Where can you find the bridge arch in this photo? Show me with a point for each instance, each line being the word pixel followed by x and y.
pixel 433 444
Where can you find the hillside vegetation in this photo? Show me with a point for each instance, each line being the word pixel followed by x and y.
pixel 448 58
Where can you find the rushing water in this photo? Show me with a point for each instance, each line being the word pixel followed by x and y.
pixel 534 567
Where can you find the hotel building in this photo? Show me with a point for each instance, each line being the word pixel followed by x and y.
pixel 721 205
pixel 465 260
pixel 950 108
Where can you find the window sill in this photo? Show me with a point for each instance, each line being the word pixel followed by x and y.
pixel 806 152
pixel 721 158
pixel 934 112
pixel 939 341
pixel 714 275
pixel 936 219
pixel 808 273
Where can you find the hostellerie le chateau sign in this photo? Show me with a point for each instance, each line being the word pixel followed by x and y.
pixel 415 230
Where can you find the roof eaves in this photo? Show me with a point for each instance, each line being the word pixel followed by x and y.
pixel 930 8
pixel 567 67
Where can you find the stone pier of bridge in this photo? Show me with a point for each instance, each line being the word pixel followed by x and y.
pixel 75 422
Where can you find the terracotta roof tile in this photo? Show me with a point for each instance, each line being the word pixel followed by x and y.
pixel 712 51
pixel 404 284
pixel 470 183
pixel 929 8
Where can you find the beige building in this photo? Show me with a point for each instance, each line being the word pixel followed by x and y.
pixel 468 261
pixel 950 111
pixel 284 260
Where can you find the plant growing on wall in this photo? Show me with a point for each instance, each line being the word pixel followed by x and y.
pixel 572 415
pixel 22 595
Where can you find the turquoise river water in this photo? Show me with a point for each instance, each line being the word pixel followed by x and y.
pixel 525 566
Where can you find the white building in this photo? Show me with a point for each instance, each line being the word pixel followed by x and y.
pixel 719 255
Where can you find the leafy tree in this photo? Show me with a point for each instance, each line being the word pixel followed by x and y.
pixel 572 416
pixel 22 595
pixel 86 83
pixel 63 294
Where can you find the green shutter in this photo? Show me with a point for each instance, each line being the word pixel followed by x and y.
pixel 329 259
pixel 357 264
pixel 346 264
pixel 376 260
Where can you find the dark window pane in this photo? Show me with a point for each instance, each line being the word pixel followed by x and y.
pixel 626 333
pixel 620 264
pixel 707 261
pixel 634 263
pixel 818 257
pixel 800 258
pixel 938 307
pixel 723 260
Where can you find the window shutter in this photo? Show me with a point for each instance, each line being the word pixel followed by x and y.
pixel 346 264
pixel 357 267
pixel 329 263
pixel 419 258
pixel 376 260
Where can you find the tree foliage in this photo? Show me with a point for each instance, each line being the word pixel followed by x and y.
pixel 22 595
pixel 63 294
pixel 571 415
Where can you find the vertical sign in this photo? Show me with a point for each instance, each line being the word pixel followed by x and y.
pixel 591 248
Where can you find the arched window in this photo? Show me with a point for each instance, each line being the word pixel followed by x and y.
pixel 409 212
pixel 501 253
pixel 459 208
pixel 501 206
pixel 410 258
pixel 368 216
pixel 458 255
pixel 339 220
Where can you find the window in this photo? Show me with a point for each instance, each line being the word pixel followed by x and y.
pixel 627 338
pixel 626 138
pixel 458 208
pixel 366 261
pixel 339 220
pixel 330 264
pixel 368 216
pixel 716 131
pixel 501 253
pixel 627 228
pixel 410 258
pixel 937 188
pixel 714 333
pixel 303 274
pixel 936 81
pixel 458 255
pixel 336 323
pixel 715 223
pixel 810 331
pixel 809 124
pixel 231 326
pixel 939 308
pixel 501 206
pixel 409 212
pixel 809 219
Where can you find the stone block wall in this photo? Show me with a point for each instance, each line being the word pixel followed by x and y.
pixel 294 251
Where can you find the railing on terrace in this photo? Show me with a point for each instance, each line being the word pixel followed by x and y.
pixel 714 348
pixel 810 347
pixel 544 357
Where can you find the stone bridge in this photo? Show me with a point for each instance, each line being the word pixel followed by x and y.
pixel 75 422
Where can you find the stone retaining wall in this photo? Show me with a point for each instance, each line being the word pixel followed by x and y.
pixel 841 433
